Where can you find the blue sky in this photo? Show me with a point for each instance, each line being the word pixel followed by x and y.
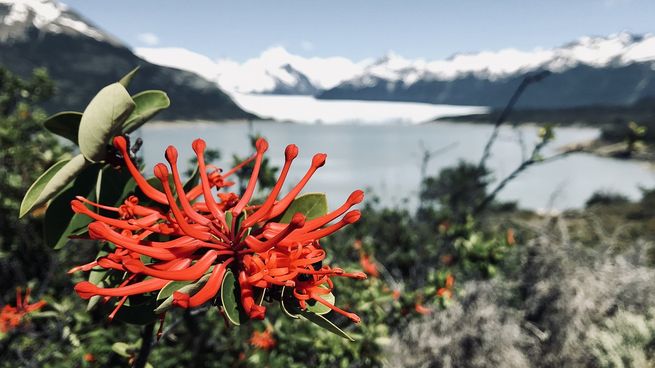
pixel 359 29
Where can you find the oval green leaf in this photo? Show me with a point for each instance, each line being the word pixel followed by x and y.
pixel 173 286
pixel 193 180
pixel 51 182
pixel 320 308
pixel 312 205
pixel 123 349
pixel 65 124
pixel 102 120
pixel 230 297
pixel 148 104
pixel 186 287
pixel 60 220
pixel 325 324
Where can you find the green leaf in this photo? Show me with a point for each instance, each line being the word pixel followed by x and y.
pixel 289 304
pixel 114 188
pixel 312 205
pixel 230 297
pixel 65 124
pixel 123 349
pixel 173 286
pixel 148 104
pixel 94 300
pixel 103 119
pixel 127 78
pixel 166 294
pixel 46 314
pixel 56 178
pixel 242 216
pixel 60 220
pixel 97 277
pixel 320 308
pixel 193 180
pixel 325 324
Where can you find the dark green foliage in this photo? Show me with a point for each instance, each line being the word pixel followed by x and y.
pixel 27 151
pixel 606 198
pixel 456 190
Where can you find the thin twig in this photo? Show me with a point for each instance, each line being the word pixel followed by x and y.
pixel 522 167
pixel 427 155
pixel 176 322
pixel 529 79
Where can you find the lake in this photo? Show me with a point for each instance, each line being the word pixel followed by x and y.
pixel 385 159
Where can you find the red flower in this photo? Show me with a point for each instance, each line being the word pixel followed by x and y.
pixel 421 309
pixel 10 316
pixel 263 340
pixel 511 240
pixel 368 265
pixel 450 281
pixel 444 293
pixel 201 234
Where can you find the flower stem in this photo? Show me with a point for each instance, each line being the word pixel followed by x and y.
pixel 146 345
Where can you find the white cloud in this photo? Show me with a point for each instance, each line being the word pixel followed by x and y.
pixel 148 38
pixel 307 45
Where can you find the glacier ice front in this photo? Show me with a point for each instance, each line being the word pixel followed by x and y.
pixel 307 109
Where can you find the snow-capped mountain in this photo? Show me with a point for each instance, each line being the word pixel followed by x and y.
pixel 19 16
pixel 275 71
pixel 615 69
pixel 615 50
pixel 81 58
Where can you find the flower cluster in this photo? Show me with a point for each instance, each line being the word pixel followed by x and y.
pixel 11 317
pixel 446 291
pixel 200 234
pixel 263 340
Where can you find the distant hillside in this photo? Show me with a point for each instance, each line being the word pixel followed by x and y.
pixel 614 70
pixel 81 59
pixel 643 112
pixel 613 122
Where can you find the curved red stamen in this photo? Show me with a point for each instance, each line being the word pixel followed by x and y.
pixel 252 309
pixel 261 146
pixel 317 161
pixel 121 144
pixel 99 230
pixel 171 157
pixel 86 289
pixel 297 221
pixel 349 218
pixel 161 172
pixel 79 207
pixel 208 291
pixel 199 146
pixel 192 272
pixel 290 153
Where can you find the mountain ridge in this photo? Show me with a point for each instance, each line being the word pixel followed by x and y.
pixel 617 69
pixel 614 69
pixel 81 58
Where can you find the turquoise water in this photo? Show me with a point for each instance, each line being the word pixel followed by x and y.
pixel 385 159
